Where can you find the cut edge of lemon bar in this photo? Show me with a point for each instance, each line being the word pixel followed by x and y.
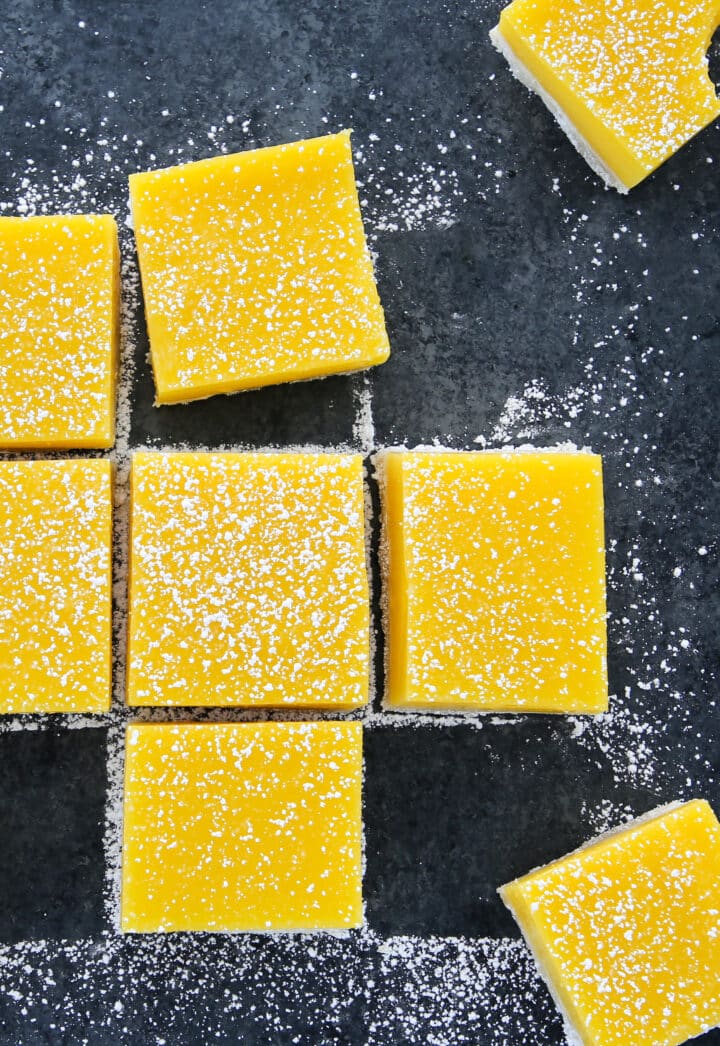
pixel 634 172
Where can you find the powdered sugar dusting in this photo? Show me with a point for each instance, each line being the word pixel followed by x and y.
pixel 363 425
pixel 606 815
pixel 281 287
pixel 248 580
pixel 429 195
pixel 441 991
pixel 447 985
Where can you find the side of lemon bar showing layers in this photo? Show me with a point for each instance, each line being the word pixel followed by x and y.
pixel 242 826
pixel 628 83
pixel 494 581
pixel 255 270
pixel 55 586
pixel 59 309
pixel 626 931
pixel 248 580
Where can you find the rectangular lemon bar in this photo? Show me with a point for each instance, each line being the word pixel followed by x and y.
pixel 59 305
pixel 255 270
pixel 248 580
pixel 626 931
pixel 242 826
pixel 55 586
pixel 494 581
pixel 628 83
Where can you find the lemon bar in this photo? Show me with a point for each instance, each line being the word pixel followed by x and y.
pixel 248 580
pixel 59 305
pixel 242 826
pixel 255 270
pixel 494 581
pixel 55 586
pixel 626 931
pixel 628 83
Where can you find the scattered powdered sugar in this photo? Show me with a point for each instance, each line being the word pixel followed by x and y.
pixel 429 992
pixel 524 415
pixel 408 201
pixel 363 425
pixel 606 815
pixel 129 318
pixel 442 990
pixel 112 832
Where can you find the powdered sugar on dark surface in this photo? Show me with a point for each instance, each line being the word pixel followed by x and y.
pixel 525 305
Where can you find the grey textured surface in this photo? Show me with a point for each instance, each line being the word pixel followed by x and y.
pixel 524 303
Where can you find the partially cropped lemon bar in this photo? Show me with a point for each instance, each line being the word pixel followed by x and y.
pixel 628 83
pixel 242 826
pixel 255 270
pixel 248 580
pixel 55 586
pixel 59 305
pixel 626 931
pixel 494 581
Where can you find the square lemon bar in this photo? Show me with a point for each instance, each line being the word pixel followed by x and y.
pixel 59 305
pixel 494 581
pixel 55 586
pixel 628 83
pixel 255 270
pixel 248 580
pixel 242 826
pixel 626 931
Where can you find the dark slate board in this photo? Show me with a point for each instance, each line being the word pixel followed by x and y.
pixel 525 303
